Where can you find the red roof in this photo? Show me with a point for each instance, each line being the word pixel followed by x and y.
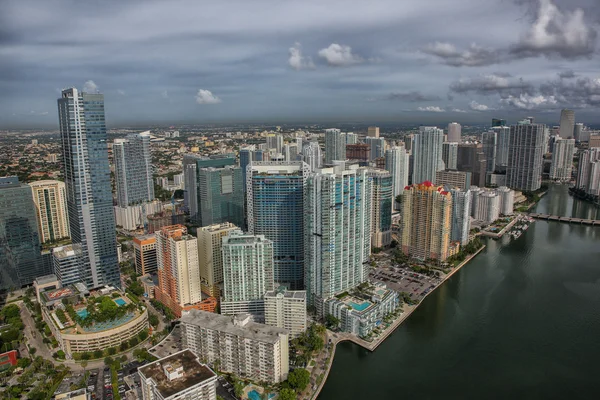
pixel 427 183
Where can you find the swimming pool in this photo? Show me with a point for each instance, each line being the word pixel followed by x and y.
pixel 82 313
pixel 120 302
pixel 254 395
pixel 361 306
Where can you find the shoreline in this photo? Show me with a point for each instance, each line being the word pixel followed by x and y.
pixel 372 346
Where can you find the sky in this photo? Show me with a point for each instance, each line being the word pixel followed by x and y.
pixel 405 61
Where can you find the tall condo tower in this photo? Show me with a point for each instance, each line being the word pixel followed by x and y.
pixel 335 145
pixel 428 154
pixel 381 208
pixel 396 162
pixel 276 210
pixel 454 132
pixel 562 159
pixel 525 157
pixel 87 180
pixel 50 201
pixel 567 124
pixel 312 155
pixel 450 154
pixel 133 169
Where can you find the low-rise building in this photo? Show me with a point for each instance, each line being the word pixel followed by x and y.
pixel 286 309
pixel 178 376
pixel 244 348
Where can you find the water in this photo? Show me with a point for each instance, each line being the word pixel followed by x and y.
pixel 520 321
pixel 120 302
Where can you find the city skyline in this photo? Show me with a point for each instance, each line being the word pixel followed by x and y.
pixel 195 66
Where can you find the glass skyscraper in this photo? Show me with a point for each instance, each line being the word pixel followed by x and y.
pixel 133 169
pixel 87 179
pixel 220 196
pixel 276 210
pixel 20 251
pixel 381 208
pixel 427 154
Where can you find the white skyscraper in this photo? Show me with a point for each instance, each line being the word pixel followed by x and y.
pixel 525 157
pixel 488 207
pixel 133 169
pixel 562 159
pixel 396 162
pixel 335 145
pixel 507 200
pixel 450 154
pixel 275 142
pixel 377 147
pixel 454 132
pixel 427 154
pixel 312 155
pixel 337 225
pixel 567 123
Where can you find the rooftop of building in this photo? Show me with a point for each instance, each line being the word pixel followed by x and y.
pixel 42 280
pixel 218 227
pixel 290 294
pixel 69 250
pixel 237 325
pixel 194 373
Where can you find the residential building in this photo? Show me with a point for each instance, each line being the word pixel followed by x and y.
pixel 275 209
pixel 525 157
pixel 50 202
pixel 358 152
pixel 351 138
pixel 489 141
pixel 594 141
pixel 286 309
pixel 428 153
pixel 178 376
pixel 426 221
pixel 578 131
pixel 220 196
pixel 145 258
pixel 66 261
pixel 243 348
pixel 461 215
pixel 275 142
pixel 135 217
pixel 337 225
pixel 475 193
pixel 459 179
pixel 450 154
pixel 498 122
pixel 335 145
pixel 502 141
pixel 133 169
pixel 312 155
pixel 210 241
pixel 381 208
pixel 454 132
pixel 488 207
pixel 567 123
pixel 373 131
pixel 396 162
pixel 290 152
pixel 165 218
pixel 247 273
pixel 562 159
pixel 587 159
pixel 507 200
pixel 20 251
pixel 472 159
pixel 376 147
pixel 88 187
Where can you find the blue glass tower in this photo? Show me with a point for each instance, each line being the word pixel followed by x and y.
pixel 87 179
pixel 276 210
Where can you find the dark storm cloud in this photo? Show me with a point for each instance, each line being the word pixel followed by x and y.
pixel 413 97
pixel 568 74
pixel 473 56
pixel 491 84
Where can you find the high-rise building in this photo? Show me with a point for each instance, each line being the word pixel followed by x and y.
pixel 210 241
pixel 351 138
pixel 133 169
pixel 66 263
pixel 381 208
pixel 276 209
pixel 50 202
pixel 191 164
pixel 178 269
pixel 20 251
pixel 220 196
pixel 178 376
pixel 587 160
pixel 502 140
pixel 290 152
pixel 87 180
pixel 396 162
pixel 472 159
pixel 311 154
pixel 376 147
pixel 567 123
pixel 373 131
pixel 562 159
pixel 475 193
pixel 507 200
pixel 286 309
pixel 144 248
pixel 489 141
pixel 459 179
pixel 594 141
pixel 358 152
pixel 335 145
pixel 275 142
pixel 338 226
pixel 498 122
pixel 450 154
pixel 247 273
pixel 242 347
pixel 525 157
pixel 428 154
pixel 578 131
pixel 426 221
pixel 454 132
pixel 488 207
pixel 246 158
pixel 461 215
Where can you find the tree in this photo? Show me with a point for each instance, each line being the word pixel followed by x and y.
pixel 287 394
pixel 98 353
pixel 108 361
pixel 32 350
pixel 331 321
pixel 299 379
pixel 84 364
pixel 153 320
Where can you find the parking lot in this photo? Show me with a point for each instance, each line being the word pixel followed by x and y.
pixel 402 279
pixel 169 345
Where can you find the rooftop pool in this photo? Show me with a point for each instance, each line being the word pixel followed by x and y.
pixel 359 307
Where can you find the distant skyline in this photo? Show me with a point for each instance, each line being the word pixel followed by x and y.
pixel 383 61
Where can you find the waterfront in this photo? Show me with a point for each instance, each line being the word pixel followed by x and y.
pixel 519 321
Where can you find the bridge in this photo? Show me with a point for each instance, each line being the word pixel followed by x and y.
pixel 569 220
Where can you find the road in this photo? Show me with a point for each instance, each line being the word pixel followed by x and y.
pixel 34 338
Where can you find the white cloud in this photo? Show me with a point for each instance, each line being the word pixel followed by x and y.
pixel 206 97
pixel 475 106
pixel 473 56
pixel 338 55
pixel 431 109
pixel 90 87
pixel 529 102
pixel 458 110
pixel 121 92
pixel 297 60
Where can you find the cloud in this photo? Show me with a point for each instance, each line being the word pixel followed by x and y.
pixel 473 56
pixel 490 84
pixel 413 97
pixel 338 55
pixel 297 60
pixel 431 109
pixel 206 97
pixel 121 92
pixel 90 87
pixel 458 110
pixel 568 74
pixel 529 102
pixel 557 33
pixel 475 106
